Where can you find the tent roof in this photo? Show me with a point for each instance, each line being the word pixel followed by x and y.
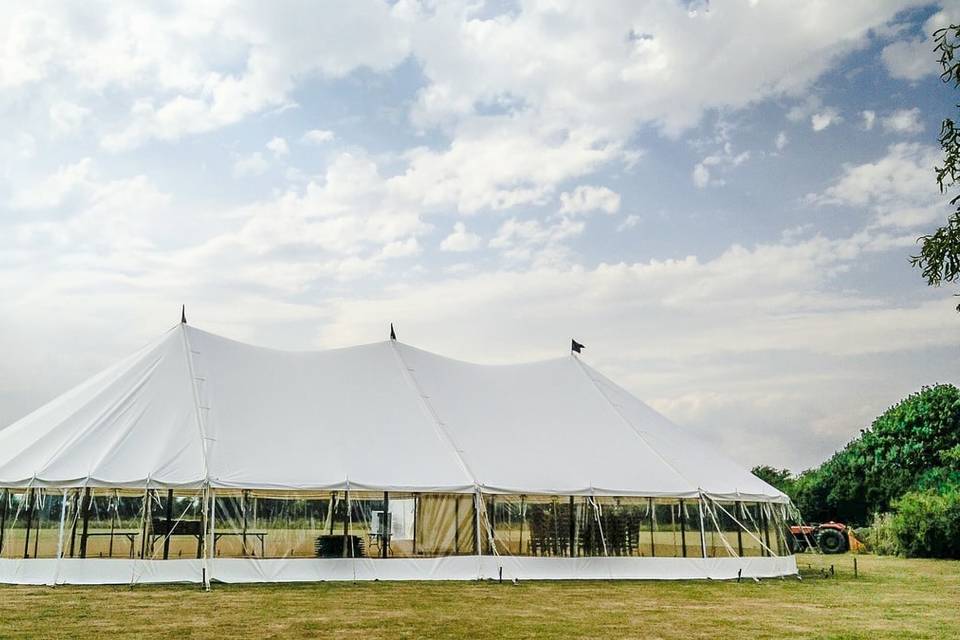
pixel 194 408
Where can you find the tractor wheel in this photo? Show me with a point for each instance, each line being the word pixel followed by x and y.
pixel 831 541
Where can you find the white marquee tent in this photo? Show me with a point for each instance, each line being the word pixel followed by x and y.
pixel 199 458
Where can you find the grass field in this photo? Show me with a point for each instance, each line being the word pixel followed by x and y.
pixel 892 598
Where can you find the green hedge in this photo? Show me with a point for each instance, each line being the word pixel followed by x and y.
pixel 926 524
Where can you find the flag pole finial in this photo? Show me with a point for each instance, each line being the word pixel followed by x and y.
pixel 576 346
pixel 393 334
pixel 183 314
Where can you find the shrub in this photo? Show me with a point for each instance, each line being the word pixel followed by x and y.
pixel 879 537
pixel 927 524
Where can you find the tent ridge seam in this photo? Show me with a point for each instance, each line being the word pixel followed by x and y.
pixel 201 426
pixel 439 425
pixel 626 421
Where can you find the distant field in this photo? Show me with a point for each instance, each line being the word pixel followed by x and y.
pixel 893 598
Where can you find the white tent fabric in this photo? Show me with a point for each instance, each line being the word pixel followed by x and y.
pixel 194 409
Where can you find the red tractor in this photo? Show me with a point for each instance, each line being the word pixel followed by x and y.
pixel 829 537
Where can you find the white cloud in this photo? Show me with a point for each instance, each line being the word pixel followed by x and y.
pixel 701 176
pixel 724 160
pixel 66 117
pixel 318 136
pixel 910 59
pixel 501 163
pixel 899 187
pixel 903 121
pixel 536 242
pixel 628 63
pixel 278 146
pixel 253 164
pixel 781 141
pixel 629 222
pixel 823 119
pixel 869 119
pixel 461 240
pixel 52 190
pixel 587 199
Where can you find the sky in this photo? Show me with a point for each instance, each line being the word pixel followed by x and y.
pixel 719 200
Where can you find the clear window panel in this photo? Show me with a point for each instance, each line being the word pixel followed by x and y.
pixel 31 523
pixel 104 523
pixel 264 524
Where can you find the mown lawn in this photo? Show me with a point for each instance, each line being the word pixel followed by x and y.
pixel 892 598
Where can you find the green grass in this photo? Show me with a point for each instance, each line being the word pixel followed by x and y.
pixel 893 598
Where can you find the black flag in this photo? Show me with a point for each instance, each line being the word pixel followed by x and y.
pixel 576 346
pixel 183 314
pixel 393 334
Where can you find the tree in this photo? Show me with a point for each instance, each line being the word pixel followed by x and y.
pixel 913 445
pixel 939 258
pixel 780 479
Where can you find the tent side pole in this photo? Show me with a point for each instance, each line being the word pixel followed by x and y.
pixel 416 508
pixel 386 523
pixel 26 543
pixel 573 530
pixel 169 524
pixel 520 550
pixel 63 517
pixel 212 544
pixel 765 519
pixel 683 527
pixel 476 522
pixel 347 516
pixel 113 520
pixel 143 523
pixel 243 511
pixel 456 525
pixel 3 516
pixel 703 535
pixel 76 517
pixel 86 522
pixel 738 508
pixel 204 523
pixel 653 549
